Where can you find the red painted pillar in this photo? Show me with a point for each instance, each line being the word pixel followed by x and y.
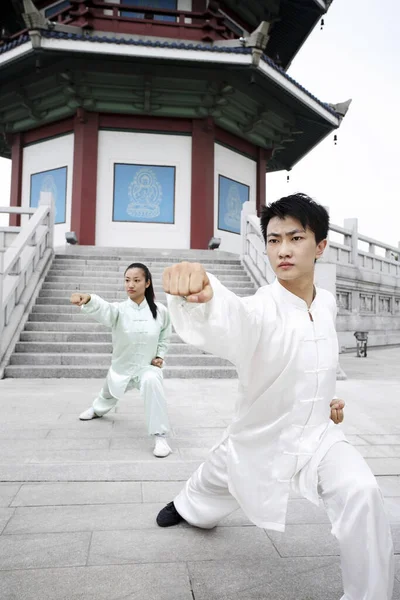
pixel 84 184
pixel 16 176
pixel 262 160
pixel 202 203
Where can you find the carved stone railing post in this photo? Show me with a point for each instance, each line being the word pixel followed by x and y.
pixel 352 224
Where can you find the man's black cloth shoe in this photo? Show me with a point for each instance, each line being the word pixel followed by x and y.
pixel 168 516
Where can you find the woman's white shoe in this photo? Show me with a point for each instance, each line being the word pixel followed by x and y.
pixel 161 447
pixel 89 414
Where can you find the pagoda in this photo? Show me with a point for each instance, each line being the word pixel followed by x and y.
pixel 153 122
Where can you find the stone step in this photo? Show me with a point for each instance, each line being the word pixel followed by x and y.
pixel 64 307
pixel 70 371
pixel 76 272
pixel 142 253
pixel 112 283
pixel 122 265
pixel 104 359
pixel 151 264
pixel 138 255
pixel 92 347
pixel 105 288
pixel 76 336
pixel 60 341
pixel 117 297
pixel 114 295
pixel 68 326
pixel 62 317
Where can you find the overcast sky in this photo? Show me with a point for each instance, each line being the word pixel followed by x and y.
pixel 356 55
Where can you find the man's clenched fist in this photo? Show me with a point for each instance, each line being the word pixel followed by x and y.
pixel 79 299
pixel 189 280
pixel 337 407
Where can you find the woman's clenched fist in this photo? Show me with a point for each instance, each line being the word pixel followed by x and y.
pixel 79 299
pixel 189 280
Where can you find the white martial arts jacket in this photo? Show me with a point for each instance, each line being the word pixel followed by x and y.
pixel 286 357
pixel 137 337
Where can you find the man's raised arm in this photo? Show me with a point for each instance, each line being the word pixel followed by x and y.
pixel 208 315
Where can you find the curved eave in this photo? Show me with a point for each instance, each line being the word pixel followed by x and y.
pixel 313 117
pixel 177 51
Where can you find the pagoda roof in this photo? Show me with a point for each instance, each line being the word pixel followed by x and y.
pixel 104 39
pixel 293 21
pixel 101 72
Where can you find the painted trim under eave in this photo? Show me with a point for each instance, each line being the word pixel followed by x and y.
pixel 192 56
pixel 15 53
pixel 145 51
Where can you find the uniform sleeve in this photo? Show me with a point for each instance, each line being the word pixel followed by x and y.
pixel 165 333
pixel 227 326
pixel 104 312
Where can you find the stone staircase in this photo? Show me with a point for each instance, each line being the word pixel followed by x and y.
pixel 59 341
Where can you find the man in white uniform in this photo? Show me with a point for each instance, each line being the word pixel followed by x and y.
pixel 284 345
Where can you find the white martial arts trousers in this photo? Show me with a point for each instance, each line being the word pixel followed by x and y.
pixel 150 385
pixel 353 502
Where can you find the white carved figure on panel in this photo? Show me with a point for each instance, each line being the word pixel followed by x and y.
pixel 145 192
pixel 234 205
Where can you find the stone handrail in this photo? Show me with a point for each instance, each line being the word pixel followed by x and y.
pixel 349 252
pixel 253 248
pixel 22 267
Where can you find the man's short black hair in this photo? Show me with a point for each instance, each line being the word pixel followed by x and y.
pixel 300 207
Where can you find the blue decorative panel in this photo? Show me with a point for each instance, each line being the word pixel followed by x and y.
pixel 54 181
pixel 144 193
pixel 165 4
pixel 231 196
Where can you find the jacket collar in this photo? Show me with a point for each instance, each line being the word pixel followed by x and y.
pixel 140 306
pixel 284 295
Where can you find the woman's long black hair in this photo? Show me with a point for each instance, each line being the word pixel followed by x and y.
pixel 149 291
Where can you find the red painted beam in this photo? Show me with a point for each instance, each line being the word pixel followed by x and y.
pixel 145 123
pixel 48 131
pixel 202 197
pixel 83 214
pixel 236 143
pixel 16 177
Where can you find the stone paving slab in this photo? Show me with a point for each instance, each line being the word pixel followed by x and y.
pixel 78 500
pixel 57 494
pixel 160 545
pixel 8 492
pixel 286 579
pixel 89 517
pixel 138 582
pixel 44 550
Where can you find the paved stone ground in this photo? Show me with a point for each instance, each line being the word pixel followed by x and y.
pixel 78 500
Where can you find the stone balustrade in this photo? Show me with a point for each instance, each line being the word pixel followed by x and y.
pixel 25 255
